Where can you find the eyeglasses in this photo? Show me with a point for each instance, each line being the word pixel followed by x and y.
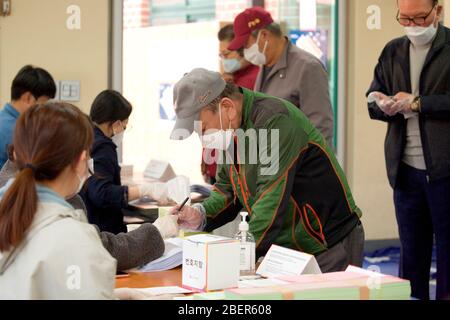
pixel 416 20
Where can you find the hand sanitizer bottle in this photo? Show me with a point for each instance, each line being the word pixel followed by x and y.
pixel 247 247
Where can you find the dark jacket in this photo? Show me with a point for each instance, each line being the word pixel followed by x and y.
pixel 392 75
pixel 104 194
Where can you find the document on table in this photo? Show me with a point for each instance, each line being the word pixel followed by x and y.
pixel 158 291
pixel 261 283
pixel 172 257
pixel 281 261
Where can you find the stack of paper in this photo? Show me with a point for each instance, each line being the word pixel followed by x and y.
pixel 383 287
pixel 261 283
pixel 312 291
pixel 172 257
pixel 353 284
pixel 219 295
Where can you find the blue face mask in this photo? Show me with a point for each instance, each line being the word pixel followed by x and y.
pixel 231 65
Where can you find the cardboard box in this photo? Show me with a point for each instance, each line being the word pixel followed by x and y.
pixel 210 263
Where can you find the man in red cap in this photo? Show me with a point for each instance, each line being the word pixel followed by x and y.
pixel 286 71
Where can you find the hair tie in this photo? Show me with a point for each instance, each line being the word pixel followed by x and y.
pixel 30 166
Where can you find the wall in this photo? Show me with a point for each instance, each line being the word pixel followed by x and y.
pixel 36 33
pixel 446 4
pixel 365 154
pixel 365 138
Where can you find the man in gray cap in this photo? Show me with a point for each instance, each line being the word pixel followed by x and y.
pixel 286 177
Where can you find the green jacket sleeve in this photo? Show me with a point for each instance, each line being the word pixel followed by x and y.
pixel 221 207
pixel 275 180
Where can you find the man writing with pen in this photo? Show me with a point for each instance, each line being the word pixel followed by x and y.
pixel 300 199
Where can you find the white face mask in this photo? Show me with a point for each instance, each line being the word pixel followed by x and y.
pixel 421 36
pixel 253 55
pixel 219 140
pixel 231 65
pixel 118 138
pixel 91 167
pixel 82 180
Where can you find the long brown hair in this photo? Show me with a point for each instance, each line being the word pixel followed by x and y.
pixel 48 138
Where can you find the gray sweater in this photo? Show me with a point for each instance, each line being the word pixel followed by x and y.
pixel 132 249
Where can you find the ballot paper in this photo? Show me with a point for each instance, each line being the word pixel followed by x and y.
pixel 369 273
pixel 217 295
pixel 261 283
pixel 281 261
pixel 172 257
pixel 353 284
pixel 158 291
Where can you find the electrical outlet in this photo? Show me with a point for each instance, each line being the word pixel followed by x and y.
pixel 69 90
pixel 5 7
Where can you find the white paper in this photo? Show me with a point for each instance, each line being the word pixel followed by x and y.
pixel 158 291
pixel 159 170
pixel 281 261
pixel 364 271
pixel 261 283
pixel 206 238
pixel 172 257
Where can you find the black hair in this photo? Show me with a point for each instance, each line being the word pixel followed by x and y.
pixel 37 81
pixel 110 106
pixel 226 33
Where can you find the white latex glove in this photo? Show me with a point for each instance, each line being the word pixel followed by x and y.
pixel 167 226
pixel 156 191
pixel 383 102
pixel 190 218
pixel 401 106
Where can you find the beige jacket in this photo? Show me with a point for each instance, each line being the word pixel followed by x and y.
pixel 301 79
pixel 61 258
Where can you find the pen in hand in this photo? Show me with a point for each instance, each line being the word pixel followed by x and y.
pixel 183 204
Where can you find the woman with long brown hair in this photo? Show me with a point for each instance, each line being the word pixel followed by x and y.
pixel 47 248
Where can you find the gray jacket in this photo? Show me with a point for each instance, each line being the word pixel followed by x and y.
pixel 132 249
pixel 301 78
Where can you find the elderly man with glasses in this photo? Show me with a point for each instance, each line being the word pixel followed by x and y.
pixel 411 93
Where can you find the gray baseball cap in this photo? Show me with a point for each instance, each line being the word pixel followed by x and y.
pixel 191 94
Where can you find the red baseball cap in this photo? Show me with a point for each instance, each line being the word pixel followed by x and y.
pixel 245 23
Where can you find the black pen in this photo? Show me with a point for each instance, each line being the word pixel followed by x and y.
pixel 183 204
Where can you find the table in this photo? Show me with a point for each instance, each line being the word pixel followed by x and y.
pixel 152 279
